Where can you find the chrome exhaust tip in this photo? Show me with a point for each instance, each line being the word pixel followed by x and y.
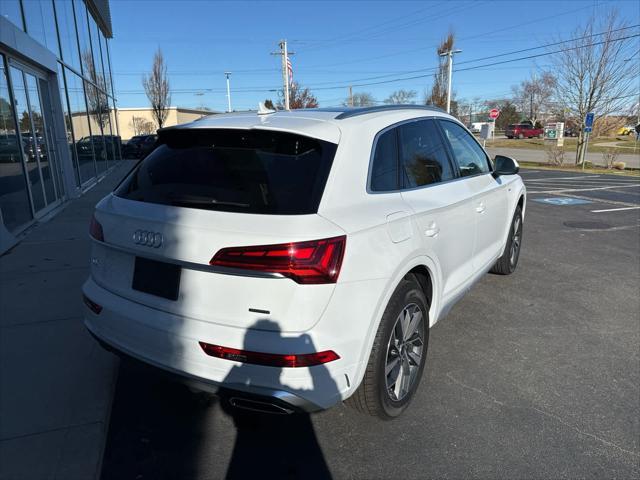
pixel 259 406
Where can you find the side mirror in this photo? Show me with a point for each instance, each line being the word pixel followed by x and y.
pixel 505 166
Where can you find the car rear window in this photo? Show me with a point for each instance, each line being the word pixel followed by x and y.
pixel 247 171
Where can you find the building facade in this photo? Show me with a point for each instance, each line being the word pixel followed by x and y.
pixel 140 121
pixel 58 132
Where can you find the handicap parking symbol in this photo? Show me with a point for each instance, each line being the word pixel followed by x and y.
pixel 562 201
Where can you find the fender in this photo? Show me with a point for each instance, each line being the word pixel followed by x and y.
pixel 436 275
pixel 522 192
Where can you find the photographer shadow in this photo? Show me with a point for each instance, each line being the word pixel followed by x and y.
pixel 270 445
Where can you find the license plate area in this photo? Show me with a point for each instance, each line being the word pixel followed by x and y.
pixel 156 278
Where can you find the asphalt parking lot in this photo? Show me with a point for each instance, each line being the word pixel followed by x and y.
pixel 534 375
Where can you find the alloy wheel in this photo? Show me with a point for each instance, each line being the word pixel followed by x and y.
pixel 404 352
pixel 515 240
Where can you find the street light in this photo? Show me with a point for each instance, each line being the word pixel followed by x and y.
pixel 228 74
pixel 449 54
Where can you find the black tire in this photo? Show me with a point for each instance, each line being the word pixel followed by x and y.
pixel 508 262
pixel 373 397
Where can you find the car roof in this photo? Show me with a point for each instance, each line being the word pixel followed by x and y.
pixel 321 123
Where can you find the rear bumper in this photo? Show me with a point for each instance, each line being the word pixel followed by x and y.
pixel 282 400
pixel 171 343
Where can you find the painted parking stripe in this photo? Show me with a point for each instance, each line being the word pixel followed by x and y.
pixel 562 178
pixel 569 190
pixel 615 209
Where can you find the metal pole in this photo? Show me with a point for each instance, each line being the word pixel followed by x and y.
pixel 285 76
pixel 228 74
pixel 584 152
pixel 450 55
pixel 350 96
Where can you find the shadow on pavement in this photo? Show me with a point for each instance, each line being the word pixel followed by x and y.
pixel 160 430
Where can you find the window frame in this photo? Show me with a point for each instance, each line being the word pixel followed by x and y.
pixel 456 165
pixel 400 178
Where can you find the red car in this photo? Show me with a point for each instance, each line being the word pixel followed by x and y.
pixel 523 130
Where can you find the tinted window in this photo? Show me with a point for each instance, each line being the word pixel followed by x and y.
pixel 423 156
pixel 467 152
pixel 233 170
pixel 384 171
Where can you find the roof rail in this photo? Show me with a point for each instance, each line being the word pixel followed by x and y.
pixel 355 112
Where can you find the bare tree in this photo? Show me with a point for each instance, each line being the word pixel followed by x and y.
pixel 535 96
pixel 299 98
pixel 96 98
pixel 438 96
pixel 402 96
pixel 592 73
pixel 363 99
pixel 141 126
pixel 156 86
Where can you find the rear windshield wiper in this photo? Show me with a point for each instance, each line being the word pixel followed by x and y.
pixel 181 199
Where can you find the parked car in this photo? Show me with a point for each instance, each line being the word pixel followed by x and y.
pixel 523 130
pixel 291 260
pixel 101 146
pixel 626 130
pixel 139 146
pixel 571 132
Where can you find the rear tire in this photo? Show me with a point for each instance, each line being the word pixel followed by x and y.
pixel 508 262
pixel 398 354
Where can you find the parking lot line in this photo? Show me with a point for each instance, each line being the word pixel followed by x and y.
pixel 595 200
pixel 562 178
pixel 568 190
pixel 615 209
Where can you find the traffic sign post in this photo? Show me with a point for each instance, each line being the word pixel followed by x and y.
pixel 588 127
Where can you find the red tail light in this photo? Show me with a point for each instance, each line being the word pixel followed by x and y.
pixel 95 229
pixel 316 261
pixel 270 359
pixel 93 306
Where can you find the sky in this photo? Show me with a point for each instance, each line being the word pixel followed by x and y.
pixel 337 44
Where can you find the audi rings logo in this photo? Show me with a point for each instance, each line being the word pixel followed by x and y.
pixel 148 239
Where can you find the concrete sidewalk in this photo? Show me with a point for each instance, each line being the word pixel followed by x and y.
pixel 56 383
pixel 529 155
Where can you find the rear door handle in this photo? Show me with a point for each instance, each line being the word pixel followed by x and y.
pixel 480 207
pixel 432 230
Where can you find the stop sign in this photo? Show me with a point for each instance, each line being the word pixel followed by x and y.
pixel 494 113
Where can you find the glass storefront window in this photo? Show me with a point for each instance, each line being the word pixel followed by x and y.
pixel 97 118
pixel 83 37
pixel 10 9
pixel 80 125
pixel 40 21
pixel 30 141
pixel 44 151
pixel 14 197
pixel 95 45
pixel 114 127
pixel 67 32
pixel 67 123
pixel 106 63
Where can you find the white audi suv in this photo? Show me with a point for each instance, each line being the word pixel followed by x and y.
pixel 292 260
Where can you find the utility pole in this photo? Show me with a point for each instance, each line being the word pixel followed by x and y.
pixel 228 74
pixel 285 75
pixel 450 55
pixel 350 96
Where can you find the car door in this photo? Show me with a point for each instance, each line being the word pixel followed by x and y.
pixel 489 195
pixel 441 207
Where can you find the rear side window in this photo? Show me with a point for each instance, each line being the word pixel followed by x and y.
pixel 384 171
pixel 242 171
pixel 467 152
pixel 423 155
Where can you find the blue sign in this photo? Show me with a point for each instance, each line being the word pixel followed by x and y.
pixel 588 129
pixel 588 121
pixel 562 201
